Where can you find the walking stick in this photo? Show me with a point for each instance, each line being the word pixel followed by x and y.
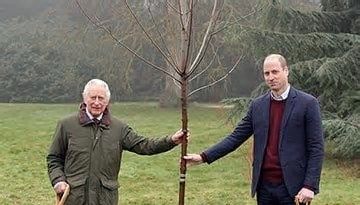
pixel 60 200
pixel 298 203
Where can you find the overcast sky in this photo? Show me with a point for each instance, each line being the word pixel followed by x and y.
pixel 26 8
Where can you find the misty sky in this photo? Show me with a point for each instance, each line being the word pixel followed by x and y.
pixel 26 8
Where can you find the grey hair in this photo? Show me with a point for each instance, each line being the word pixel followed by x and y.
pixel 99 82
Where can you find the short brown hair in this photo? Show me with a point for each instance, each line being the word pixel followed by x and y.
pixel 279 57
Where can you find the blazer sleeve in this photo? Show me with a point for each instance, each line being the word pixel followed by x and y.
pixel 314 145
pixel 230 143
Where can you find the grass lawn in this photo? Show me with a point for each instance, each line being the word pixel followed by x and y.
pixel 26 131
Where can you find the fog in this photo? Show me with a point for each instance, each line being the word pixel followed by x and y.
pixel 48 50
pixel 24 8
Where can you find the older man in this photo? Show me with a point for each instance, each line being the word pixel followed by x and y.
pixel 288 140
pixel 87 148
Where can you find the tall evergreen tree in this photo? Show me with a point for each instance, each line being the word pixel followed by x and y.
pixel 323 50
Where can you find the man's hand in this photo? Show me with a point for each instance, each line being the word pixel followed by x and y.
pixel 193 159
pixel 60 187
pixel 177 138
pixel 305 195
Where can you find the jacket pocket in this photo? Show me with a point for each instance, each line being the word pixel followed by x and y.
pixel 75 183
pixel 77 192
pixel 109 192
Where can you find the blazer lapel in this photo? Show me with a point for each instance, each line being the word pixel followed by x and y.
pixel 266 115
pixel 289 105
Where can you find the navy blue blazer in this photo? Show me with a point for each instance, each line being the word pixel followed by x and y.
pixel 301 145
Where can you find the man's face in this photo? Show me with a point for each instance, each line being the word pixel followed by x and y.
pixel 276 76
pixel 95 100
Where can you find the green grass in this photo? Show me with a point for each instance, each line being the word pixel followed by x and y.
pixel 26 131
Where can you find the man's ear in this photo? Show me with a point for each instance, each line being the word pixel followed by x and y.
pixel 286 69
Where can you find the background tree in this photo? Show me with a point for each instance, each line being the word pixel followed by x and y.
pixel 59 29
pixel 323 50
pixel 44 61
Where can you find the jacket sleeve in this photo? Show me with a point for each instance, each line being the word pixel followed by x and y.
pixel 56 156
pixel 145 146
pixel 314 144
pixel 230 143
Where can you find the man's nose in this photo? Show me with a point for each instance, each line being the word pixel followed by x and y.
pixel 97 100
pixel 271 77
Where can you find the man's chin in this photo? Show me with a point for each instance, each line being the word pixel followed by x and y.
pixel 95 114
pixel 274 88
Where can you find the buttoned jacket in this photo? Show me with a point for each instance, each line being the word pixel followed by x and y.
pixel 301 142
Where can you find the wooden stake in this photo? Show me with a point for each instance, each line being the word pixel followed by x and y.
pixel 60 200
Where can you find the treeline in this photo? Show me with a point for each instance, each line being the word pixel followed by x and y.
pixel 48 58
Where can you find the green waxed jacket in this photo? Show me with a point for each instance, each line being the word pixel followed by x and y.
pixel 88 156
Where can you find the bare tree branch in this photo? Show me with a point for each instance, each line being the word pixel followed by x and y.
pixel 185 36
pixel 189 33
pixel 150 38
pixel 177 84
pixel 207 37
pixel 173 7
pixel 207 67
pixel 217 81
pixel 180 14
pixel 163 41
pixel 227 24
pixel 201 57
pixel 131 32
pixel 124 45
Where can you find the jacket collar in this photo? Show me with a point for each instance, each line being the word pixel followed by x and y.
pixel 85 120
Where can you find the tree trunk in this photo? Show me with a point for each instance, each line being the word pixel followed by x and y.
pixel 184 119
pixel 186 21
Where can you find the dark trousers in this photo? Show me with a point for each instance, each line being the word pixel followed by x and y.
pixel 273 194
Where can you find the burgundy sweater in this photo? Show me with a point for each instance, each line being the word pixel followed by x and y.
pixel 271 169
